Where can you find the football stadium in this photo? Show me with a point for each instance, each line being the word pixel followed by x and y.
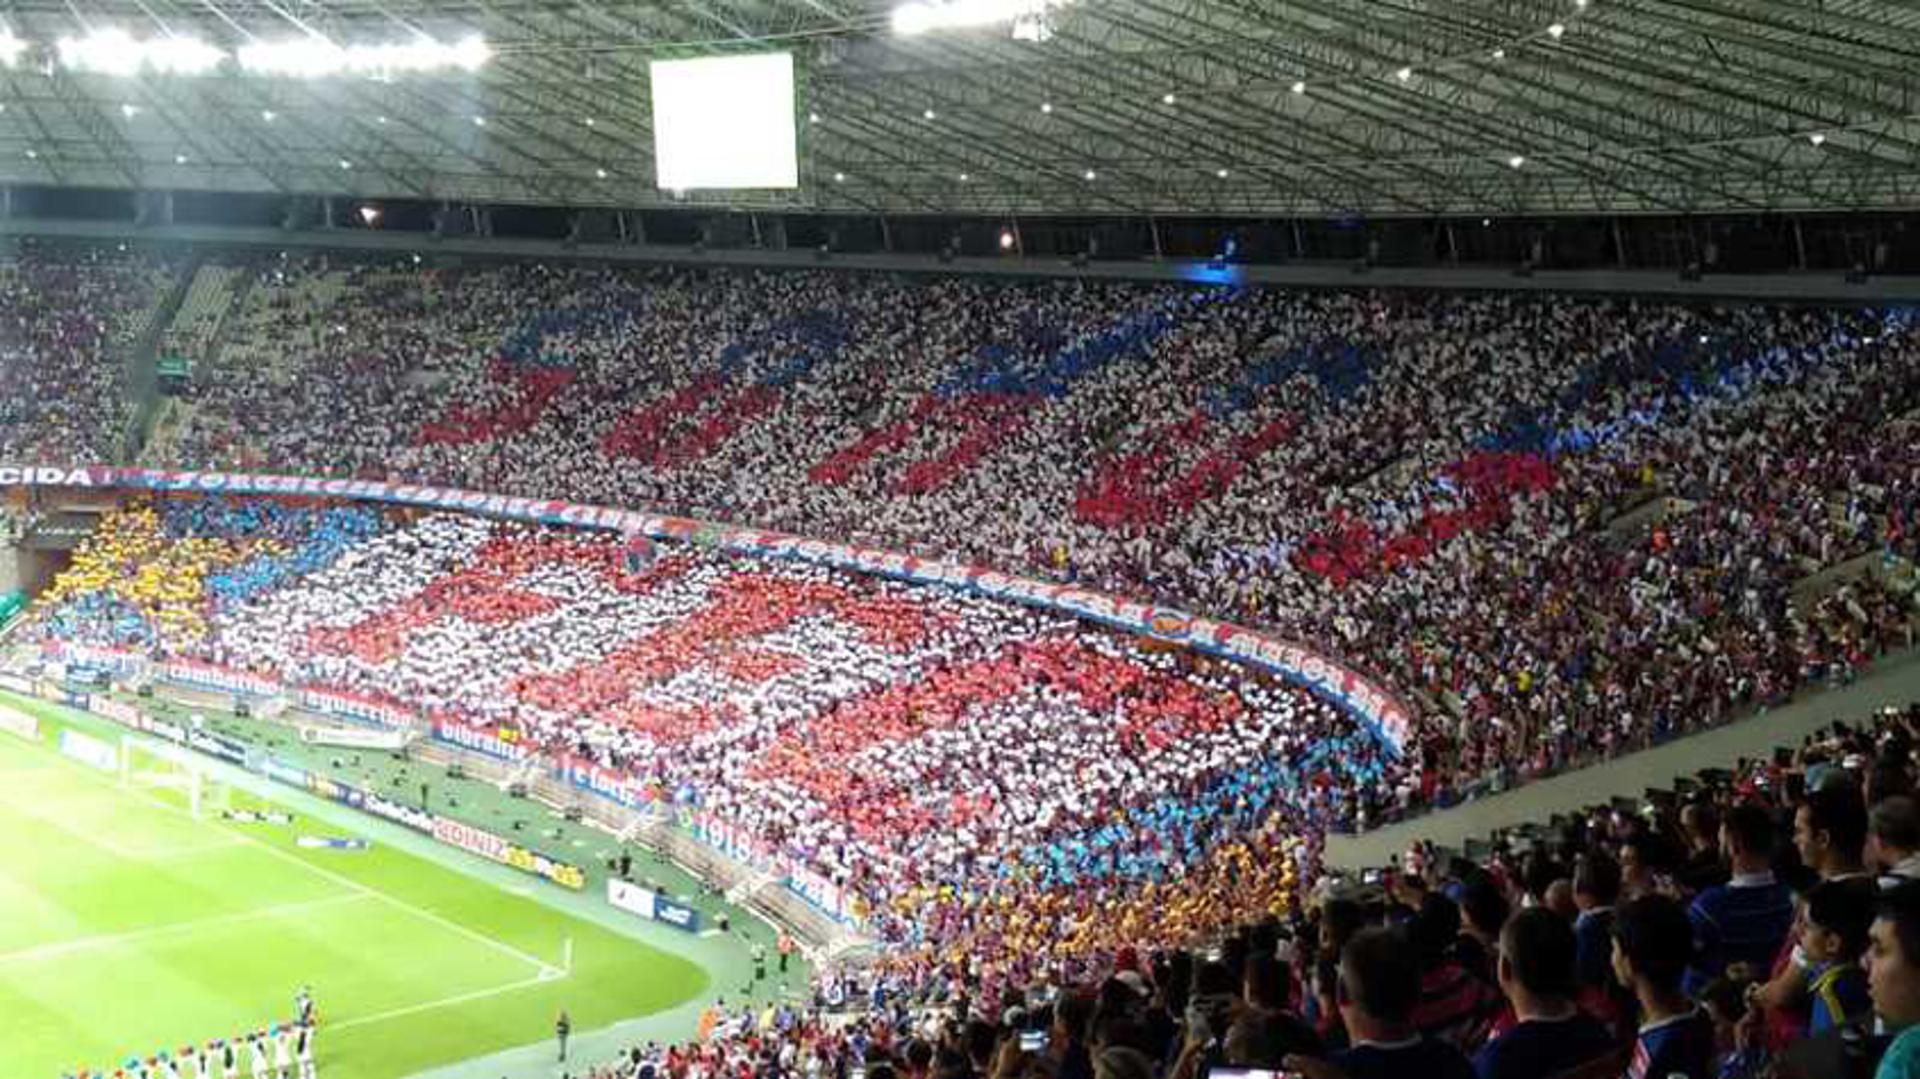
pixel 960 539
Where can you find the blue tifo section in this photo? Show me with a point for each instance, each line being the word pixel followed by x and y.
pixel 1699 361
pixel 1342 369
pixel 1045 364
pixel 527 344
pixel 315 537
pixel 100 616
pixel 787 352
pixel 1185 828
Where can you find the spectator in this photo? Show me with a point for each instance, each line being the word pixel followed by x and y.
pixel 1596 888
pixel 1893 978
pixel 1265 1031
pixel 1839 915
pixel 1537 973
pixel 1378 982
pixel 1652 937
pixel 1893 839
pixel 1454 1005
pixel 1745 919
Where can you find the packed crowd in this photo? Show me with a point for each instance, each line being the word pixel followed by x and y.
pixel 841 722
pixel 1431 486
pixel 1759 921
pixel 68 318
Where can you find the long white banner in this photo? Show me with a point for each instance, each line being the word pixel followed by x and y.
pixel 353 737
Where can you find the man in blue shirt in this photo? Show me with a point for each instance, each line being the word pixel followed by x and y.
pixel 1746 919
pixel 1551 1034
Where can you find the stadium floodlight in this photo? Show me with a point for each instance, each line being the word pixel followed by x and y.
pixel 10 48
pixel 1299 87
pixel 1556 30
pixel 924 15
pixel 113 51
pixel 314 56
pixel 1516 161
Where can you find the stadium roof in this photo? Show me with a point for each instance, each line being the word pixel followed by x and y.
pixel 1214 107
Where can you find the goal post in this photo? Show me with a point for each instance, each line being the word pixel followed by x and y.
pixel 161 766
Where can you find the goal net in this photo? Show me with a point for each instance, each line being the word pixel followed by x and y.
pixel 172 772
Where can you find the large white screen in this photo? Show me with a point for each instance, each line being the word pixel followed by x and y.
pixel 724 121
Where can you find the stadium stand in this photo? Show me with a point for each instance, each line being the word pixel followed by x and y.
pixel 1583 525
pixel 1569 528
pixel 71 317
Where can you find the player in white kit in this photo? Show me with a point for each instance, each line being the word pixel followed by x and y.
pixel 282 1053
pixel 303 1051
pixel 258 1044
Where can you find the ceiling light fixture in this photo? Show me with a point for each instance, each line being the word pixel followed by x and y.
pixel 921 16
pixel 317 57
pixel 113 51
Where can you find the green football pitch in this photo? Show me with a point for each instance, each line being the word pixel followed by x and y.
pixel 128 925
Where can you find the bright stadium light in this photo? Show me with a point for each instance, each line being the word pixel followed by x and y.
pixel 10 48
pixel 113 51
pixel 924 15
pixel 315 57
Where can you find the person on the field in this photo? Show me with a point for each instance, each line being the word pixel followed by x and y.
pixel 303 1051
pixel 303 1006
pixel 202 1060
pixel 282 1053
pixel 229 1059
pixel 562 1027
pixel 257 1043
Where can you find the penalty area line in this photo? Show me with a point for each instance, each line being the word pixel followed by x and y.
pixel 547 974
pixel 545 971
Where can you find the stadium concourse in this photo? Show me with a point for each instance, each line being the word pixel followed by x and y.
pixel 1568 529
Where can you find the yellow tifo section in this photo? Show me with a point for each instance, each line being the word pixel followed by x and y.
pixel 130 557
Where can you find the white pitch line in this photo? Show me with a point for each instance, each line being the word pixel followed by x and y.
pixel 57 949
pixel 547 975
pixel 545 968
pixel 420 912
